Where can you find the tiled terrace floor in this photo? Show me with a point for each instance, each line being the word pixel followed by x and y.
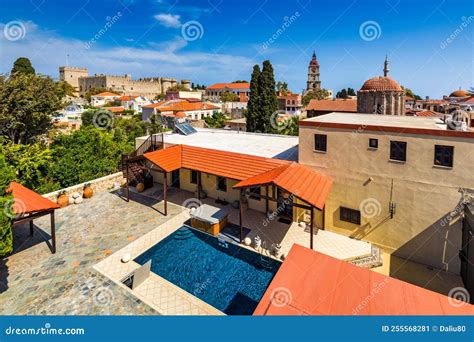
pixel 34 281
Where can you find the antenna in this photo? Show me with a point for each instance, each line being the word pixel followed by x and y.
pixel 67 60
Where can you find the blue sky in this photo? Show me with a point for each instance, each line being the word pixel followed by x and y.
pixel 430 43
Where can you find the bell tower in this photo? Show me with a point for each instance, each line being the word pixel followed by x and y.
pixel 313 82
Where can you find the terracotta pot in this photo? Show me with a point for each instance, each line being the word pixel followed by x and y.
pixel 140 187
pixel 63 200
pixel 88 192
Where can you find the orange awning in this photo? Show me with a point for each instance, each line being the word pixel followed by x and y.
pixel 312 283
pixel 297 179
pixel 27 201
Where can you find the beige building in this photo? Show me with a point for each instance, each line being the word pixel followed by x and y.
pixel 124 85
pixel 381 95
pixel 71 75
pixel 397 181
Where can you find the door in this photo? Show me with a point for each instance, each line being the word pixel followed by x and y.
pixel 285 204
pixel 175 179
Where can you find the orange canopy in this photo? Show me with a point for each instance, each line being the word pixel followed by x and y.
pixel 312 283
pixel 297 179
pixel 27 201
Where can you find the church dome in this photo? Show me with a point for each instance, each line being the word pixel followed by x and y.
pixel 459 93
pixel 381 83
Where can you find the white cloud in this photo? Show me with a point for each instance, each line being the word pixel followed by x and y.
pixel 47 51
pixel 169 20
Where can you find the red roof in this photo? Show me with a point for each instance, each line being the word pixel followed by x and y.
pixel 312 283
pixel 180 114
pixel 180 106
pixel 381 84
pixel 127 97
pixel 114 109
pixel 469 100
pixel 27 201
pixel 297 179
pixel 303 182
pixel 105 94
pixel 240 85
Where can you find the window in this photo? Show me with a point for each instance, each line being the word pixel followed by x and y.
pixel 350 215
pixel 443 155
pixel 320 142
pixel 255 193
pixel 222 184
pixel 194 177
pixel 374 143
pixel 398 150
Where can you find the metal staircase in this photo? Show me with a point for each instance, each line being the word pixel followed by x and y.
pixel 133 165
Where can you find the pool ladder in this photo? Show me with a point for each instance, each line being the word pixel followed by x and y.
pixel 265 260
pixel 221 242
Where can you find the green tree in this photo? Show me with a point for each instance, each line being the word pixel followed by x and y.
pixel 318 94
pixel 229 97
pixel 345 93
pixel 410 93
pixel 282 87
pixel 268 103
pixel 254 100
pixel 23 65
pixel 65 89
pixel 217 120
pixel 6 214
pixel 290 126
pixel 26 102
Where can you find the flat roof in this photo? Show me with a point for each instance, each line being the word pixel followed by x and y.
pixel 257 144
pixel 386 123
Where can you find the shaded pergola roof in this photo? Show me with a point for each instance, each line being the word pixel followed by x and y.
pixel 303 182
pixel 312 283
pixel 27 201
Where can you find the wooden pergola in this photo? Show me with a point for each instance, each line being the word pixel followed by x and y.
pixel 29 205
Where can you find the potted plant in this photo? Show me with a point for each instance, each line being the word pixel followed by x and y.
pixel 87 192
pixel 63 200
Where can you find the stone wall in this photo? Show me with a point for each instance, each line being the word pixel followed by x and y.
pixel 102 184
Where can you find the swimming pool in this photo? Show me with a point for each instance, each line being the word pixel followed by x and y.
pixel 224 275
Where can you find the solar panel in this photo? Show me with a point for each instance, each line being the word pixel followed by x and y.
pixel 186 129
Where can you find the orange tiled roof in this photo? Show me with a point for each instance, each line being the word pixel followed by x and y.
pixel 381 84
pixel 469 100
pixel 105 94
pixel 114 109
pixel 27 201
pixel 345 288
pixel 127 97
pixel 180 115
pixel 243 85
pixel 338 105
pixel 154 105
pixel 305 183
pixel 459 93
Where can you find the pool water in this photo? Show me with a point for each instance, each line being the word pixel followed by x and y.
pixel 226 276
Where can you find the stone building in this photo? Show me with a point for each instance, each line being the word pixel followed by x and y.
pixel 123 85
pixel 71 75
pixel 381 95
pixel 313 82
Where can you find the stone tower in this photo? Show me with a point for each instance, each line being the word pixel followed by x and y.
pixel 381 95
pixel 313 82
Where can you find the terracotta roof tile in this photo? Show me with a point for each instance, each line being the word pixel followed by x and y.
pixel 243 85
pixel 105 94
pixel 338 105
pixel 345 287
pixel 27 201
pixel 381 84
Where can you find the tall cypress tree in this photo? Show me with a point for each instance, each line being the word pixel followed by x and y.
pixel 267 97
pixel 254 100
